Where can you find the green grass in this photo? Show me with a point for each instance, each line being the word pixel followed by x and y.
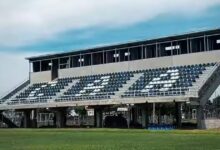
pixel 107 139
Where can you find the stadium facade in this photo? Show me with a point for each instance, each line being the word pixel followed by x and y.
pixel 161 82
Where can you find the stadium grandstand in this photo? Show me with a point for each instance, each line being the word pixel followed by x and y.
pixel 161 83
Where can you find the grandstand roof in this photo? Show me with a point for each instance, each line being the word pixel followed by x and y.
pixel 127 44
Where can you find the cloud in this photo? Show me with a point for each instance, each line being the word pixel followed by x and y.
pixel 26 22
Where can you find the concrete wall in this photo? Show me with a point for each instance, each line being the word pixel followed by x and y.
pixel 178 60
pixel 210 123
pixel 37 77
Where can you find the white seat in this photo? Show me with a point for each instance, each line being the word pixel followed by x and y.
pixel 164 75
pixel 78 95
pixel 145 90
pixel 105 77
pixel 97 90
pixel 97 81
pixel 82 91
pixel 43 86
pixel 41 94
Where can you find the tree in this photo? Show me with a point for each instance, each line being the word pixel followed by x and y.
pixel 81 111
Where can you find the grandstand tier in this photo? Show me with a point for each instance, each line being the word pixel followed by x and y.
pixel 170 81
pixel 141 79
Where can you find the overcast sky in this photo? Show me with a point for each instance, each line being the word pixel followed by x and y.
pixel 34 27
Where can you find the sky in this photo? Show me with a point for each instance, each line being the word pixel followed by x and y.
pixel 30 28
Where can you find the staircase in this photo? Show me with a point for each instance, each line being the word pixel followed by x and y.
pixel 7 121
pixel 66 88
pixel 127 85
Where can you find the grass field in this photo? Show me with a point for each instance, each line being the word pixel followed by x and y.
pixel 107 139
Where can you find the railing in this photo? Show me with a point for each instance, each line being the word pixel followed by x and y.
pixel 174 92
pixel 26 101
pixel 133 94
pixel 23 83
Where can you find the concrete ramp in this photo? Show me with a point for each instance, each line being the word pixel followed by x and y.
pixel 210 85
pixel 205 92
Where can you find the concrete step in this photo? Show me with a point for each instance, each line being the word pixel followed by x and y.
pixel 127 85
pixel 65 89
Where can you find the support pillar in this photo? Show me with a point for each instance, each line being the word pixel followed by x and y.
pixel 95 120
pixel 153 113
pixel 134 116
pixel 159 114
pixel 178 114
pixel 129 116
pixel 200 117
pixel 27 119
pixel 98 117
pixel 144 118
pixel 60 117
pixel 34 118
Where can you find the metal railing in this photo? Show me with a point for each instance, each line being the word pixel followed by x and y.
pixel 26 101
pixel 132 94
pixel 15 88
pixel 173 92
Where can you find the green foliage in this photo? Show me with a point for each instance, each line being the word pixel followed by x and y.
pixel 80 110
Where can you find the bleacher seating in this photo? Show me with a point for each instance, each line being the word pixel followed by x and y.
pixel 166 81
pixel 41 92
pixel 96 86
pixel 170 81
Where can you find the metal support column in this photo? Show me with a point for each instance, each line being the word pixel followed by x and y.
pixel 205 47
pixel 98 117
pixel 144 118
pixel 26 118
pixel 153 113
pixel 200 117
pixel 178 114
pixel 60 117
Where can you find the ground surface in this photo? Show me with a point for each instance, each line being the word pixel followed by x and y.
pixel 107 139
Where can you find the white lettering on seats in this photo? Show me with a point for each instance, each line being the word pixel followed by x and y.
pixel 95 87
pixel 166 84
